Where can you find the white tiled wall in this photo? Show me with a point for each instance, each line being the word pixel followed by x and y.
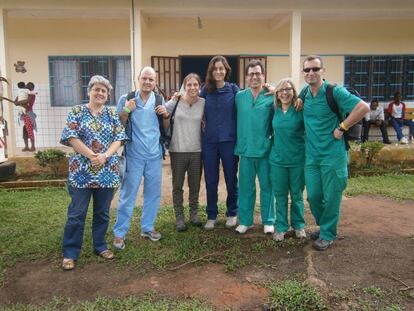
pixel 50 120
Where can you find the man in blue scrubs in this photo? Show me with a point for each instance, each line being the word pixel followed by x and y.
pixel 143 159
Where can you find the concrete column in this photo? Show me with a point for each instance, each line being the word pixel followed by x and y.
pixel 5 72
pixel 136 39
pixel 295 46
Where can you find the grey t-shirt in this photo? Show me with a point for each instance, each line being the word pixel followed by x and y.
pixel 187 125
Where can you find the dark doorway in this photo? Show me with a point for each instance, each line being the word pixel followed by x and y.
pixel 199 64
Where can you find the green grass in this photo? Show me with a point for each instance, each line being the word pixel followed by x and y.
pixel 33 222
pixel 295 296
pixel 149 302
pixel 400 187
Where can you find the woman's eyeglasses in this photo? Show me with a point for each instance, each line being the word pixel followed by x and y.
pixel 314 69
pixel 285 90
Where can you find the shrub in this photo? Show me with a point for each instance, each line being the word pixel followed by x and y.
pixel 50 158
pixel 370 150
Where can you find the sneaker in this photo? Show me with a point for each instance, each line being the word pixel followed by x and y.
pixel 210 224
pixel 267 229
pixel 314 235
pixel 242 228
pixel 321 245
pixel 387 142
pixel 404 141
pixel 300 233
pixel 180 223
pixel 231 221
pixel 152 235
pixel 119 243
pixel 279 236
pixel 195 219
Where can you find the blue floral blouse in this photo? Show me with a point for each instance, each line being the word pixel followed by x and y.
pixel 97 133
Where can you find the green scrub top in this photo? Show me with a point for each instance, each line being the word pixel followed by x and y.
pixel 320 123
pixel 253 123
pixel 288 148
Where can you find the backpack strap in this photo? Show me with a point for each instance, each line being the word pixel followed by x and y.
pixel 172 117
pixel 333 105
pixel 331 100
pixel 163 134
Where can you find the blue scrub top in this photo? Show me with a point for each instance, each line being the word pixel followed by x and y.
pixel 220 114
pixel 145 141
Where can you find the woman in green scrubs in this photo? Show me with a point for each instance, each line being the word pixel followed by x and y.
pixel 287 159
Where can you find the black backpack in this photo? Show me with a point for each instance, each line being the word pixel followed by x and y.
pixel 354 132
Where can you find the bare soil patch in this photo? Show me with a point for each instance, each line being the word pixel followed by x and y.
pixel 376 242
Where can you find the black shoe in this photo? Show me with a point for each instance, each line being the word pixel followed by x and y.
pixel 321 245
pixel 387 142
pixel 314 235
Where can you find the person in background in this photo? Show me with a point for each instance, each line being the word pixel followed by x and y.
pixel 25 99
pixel 219 139
pixel 185 147
pixel 95 132
pixel 396 111
pixel 375 117
pixel 287 161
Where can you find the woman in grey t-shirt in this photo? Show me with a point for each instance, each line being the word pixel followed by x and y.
pixel 185 124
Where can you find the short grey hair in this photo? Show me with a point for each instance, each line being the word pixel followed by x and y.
pixel 99 80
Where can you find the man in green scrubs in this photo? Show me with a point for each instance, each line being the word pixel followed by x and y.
pixel 253 146
pixel 326 171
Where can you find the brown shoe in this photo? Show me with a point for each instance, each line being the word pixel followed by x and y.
pixel 107 254
pixel 68 264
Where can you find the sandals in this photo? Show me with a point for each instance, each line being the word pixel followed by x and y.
pixel 68 264
pixel 107 254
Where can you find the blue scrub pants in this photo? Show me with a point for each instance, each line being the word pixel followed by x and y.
pixel 398 126
pixel 212 154
pixel 325 183
pixel 75 224
pixel 151 170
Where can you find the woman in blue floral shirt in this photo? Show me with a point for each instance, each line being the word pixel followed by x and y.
pixel 95 133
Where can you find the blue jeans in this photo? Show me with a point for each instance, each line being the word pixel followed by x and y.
pixel 399 125
pixel 75 224
pixel 212 154
pixel 151 171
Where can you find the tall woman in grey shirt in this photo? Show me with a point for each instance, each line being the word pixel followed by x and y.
pixel 185 148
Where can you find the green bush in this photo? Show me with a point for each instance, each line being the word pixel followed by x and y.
pixel 370 150
pixel 50 158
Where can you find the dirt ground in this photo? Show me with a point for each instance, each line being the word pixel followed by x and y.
pixel 375 247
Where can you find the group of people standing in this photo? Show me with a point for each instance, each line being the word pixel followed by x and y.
pixel 285 139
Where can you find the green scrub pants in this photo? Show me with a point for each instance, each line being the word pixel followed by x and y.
pixel 325 183
pixel 249 168
pixel 287 180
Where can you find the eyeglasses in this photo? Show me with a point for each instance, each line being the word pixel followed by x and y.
pixel 285 90
pixel 252 74
pixel 314 69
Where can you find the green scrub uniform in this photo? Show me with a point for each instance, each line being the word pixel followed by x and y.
pixel 253 146
pixel 326 171
pixel 287 160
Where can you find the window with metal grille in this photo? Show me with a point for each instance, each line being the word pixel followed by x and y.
pixel 69 77
pixel 380 76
